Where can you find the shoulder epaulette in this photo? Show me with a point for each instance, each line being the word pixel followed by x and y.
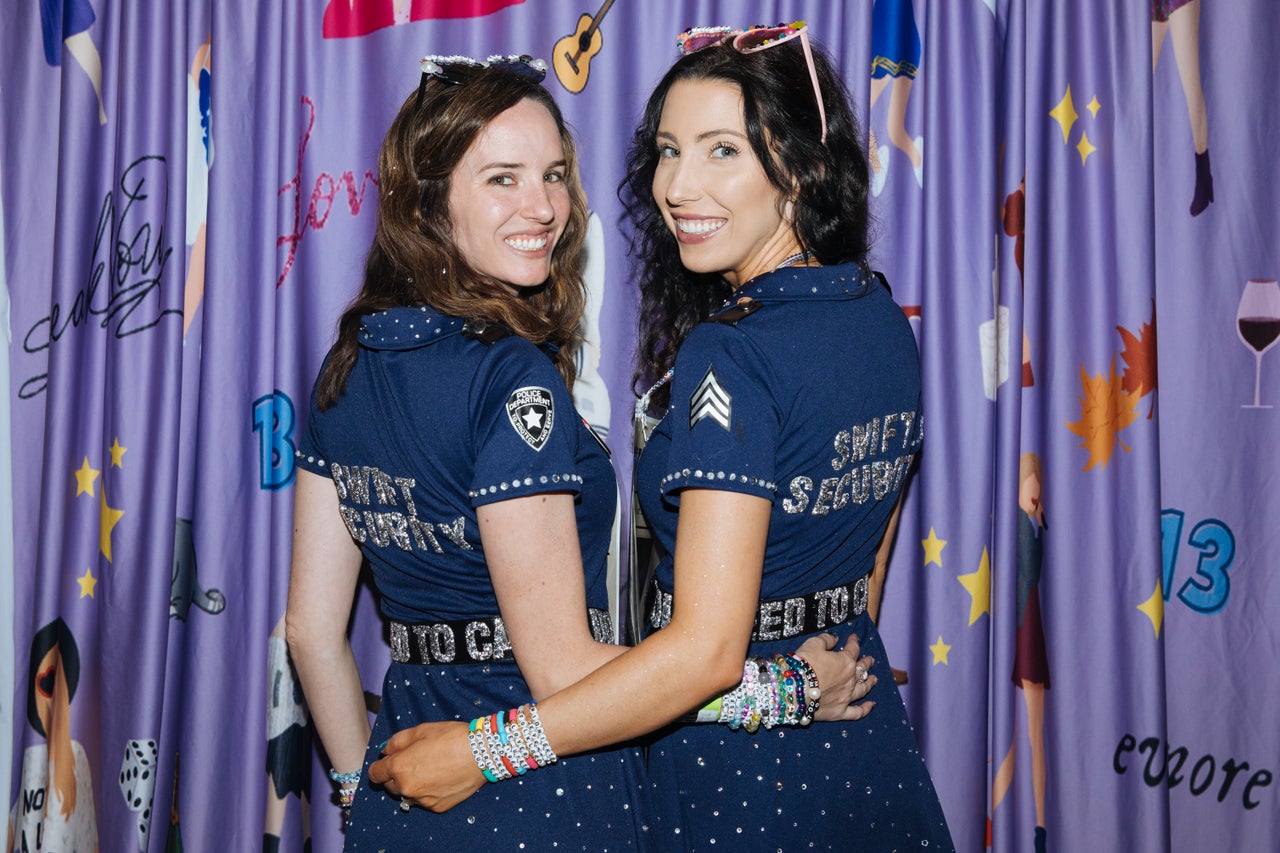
pixel 480 329
pixel 730 316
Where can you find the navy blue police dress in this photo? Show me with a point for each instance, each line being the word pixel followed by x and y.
pixel 811 402
pixel 434 423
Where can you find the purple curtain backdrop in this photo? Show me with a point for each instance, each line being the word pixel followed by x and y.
pixel 1083 588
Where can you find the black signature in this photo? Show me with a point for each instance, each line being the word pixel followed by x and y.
pixel 131 253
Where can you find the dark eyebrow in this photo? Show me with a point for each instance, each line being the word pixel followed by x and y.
pixel 561 164
pixel 705 135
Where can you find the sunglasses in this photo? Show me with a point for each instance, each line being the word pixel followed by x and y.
pixel 754 40
pixel 456 70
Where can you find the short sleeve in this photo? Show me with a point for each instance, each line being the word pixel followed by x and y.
pixel 524 426
pixel 725 418
pixel 309 454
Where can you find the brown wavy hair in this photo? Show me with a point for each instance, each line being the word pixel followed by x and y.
pixel 415 260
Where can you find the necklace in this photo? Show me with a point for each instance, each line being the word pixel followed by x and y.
pixel 642 405
pixel 801 257
pixel 798 258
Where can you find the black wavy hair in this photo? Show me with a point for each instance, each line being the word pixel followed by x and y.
pixel 827 182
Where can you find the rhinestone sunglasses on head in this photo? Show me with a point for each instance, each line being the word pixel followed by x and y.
pixel 457 69
pixel 754 40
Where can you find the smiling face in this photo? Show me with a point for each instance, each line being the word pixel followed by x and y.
pixel 508 198
pixel 711 189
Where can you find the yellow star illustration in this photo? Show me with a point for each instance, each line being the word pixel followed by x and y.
pixel 1153 607
pixel 933 548
pixel 85 476
pixel 1094 106
pixel 108 518
pixel 117 454
pixel 87 583
pixel 1085 148
pixel 1065 114
pixel 978 585
pixel 940 650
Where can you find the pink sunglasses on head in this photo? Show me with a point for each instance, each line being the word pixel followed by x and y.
pixel 754 40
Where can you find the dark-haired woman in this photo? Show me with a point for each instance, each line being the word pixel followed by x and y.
pixel 443 447
pixel 790 419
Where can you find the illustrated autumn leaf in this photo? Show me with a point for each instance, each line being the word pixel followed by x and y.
pixel 1140 359
pixel 1105 409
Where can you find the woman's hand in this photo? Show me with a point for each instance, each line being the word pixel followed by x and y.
pixel 429 765
pixel 842 675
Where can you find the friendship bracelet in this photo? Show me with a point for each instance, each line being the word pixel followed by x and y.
pixel 480 752
pixel 345 779
pixel 513 754
pixel 495 748
pixel 812 689
pixel 541 747
pixel 780 689
pixel 513 717
pixel 508 744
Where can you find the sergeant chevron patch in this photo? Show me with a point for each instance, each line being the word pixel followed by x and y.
pixel 709 400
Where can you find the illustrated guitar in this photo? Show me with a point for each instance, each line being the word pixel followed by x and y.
pixel 572 54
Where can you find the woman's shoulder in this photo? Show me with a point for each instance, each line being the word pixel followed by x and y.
pixel 513 363
pixel 721 333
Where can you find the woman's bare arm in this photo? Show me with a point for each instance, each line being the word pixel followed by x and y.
pixel 322 584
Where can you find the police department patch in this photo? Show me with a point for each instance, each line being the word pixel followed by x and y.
pixel 532 413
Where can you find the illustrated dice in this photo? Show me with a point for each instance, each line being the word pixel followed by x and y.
pixel 138 783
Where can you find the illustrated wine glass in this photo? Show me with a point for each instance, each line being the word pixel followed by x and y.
pixel 1258 322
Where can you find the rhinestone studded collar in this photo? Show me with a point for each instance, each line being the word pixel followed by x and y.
pixel 406 328
pixel 843 281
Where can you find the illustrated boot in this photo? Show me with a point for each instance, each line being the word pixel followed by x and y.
pixel 1204 184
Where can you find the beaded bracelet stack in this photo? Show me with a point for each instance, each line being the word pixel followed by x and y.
pixel 347 784
pixel 781 690
pixel 510 743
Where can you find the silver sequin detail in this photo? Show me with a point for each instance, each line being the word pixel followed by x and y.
pixel 732 476
pixel 399 642
pixel 799 500
pixel 485 643
pixel 507 485
pixel 311 459
pixel 484 639
pixel 781 619
pixel 601 625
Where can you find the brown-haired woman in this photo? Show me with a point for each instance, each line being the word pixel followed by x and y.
pixel 443 447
